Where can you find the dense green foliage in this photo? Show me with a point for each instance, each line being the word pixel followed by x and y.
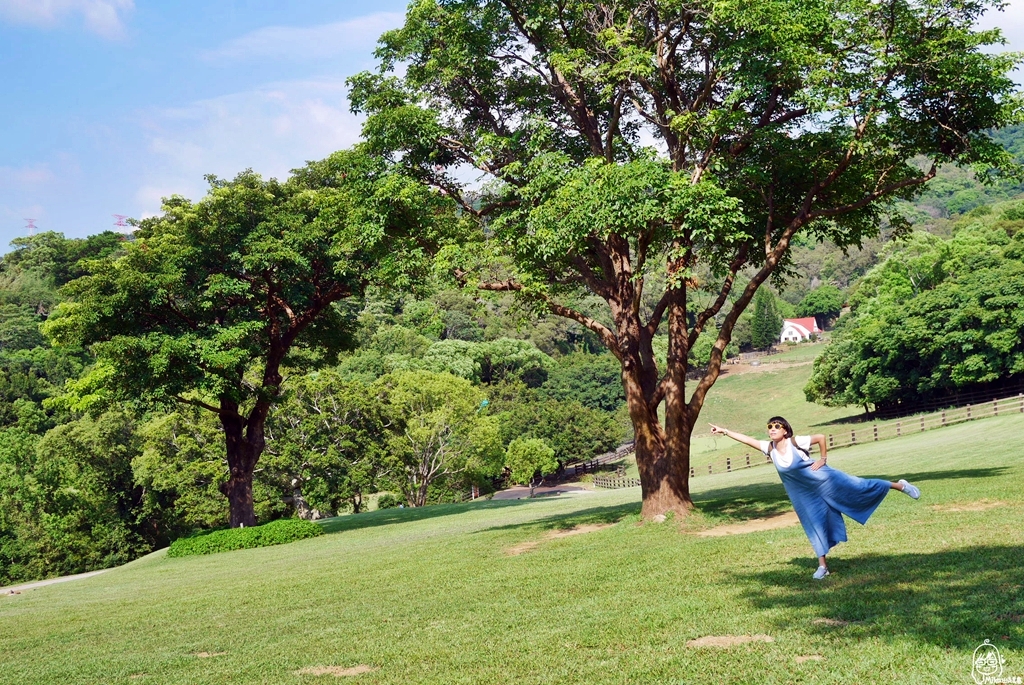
pixel 824 303
pixel 273 533
pixel 575 431
pixel 69 500
pixel 592 380
pixel 767 321
pixel 527 458
pixel 937 316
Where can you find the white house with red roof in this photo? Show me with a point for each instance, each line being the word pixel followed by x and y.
pixel 796 330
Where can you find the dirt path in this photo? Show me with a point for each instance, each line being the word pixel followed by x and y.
pixel 18 589
pixel 783 520
pixel 530 545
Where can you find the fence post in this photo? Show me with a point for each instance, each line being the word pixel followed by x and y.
pixel 830 441
pixel 943 417
pixel 922 423
pixel 709 469
pixel 968 412
pixel 899 431
pixel 853 437
pixel 748 460
pixel 875 428
pixel 995 407
pixel 692 473
pixel 728 464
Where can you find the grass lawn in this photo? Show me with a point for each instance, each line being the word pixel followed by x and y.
pixel 431 596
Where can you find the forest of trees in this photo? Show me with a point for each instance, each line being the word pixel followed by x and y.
pixel 88 480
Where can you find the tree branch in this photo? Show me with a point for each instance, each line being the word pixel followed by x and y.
pixel 723 294
pixel 200 404
pixel 874 195
pixel 602 331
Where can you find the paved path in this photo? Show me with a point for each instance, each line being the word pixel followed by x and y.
pixel 15 589
pixel 522 492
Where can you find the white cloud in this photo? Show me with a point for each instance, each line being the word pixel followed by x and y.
pixel 313 42
pixel 103 17
pixel 26 176
pixel 272 130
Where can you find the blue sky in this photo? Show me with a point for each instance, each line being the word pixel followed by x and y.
pixel 109 105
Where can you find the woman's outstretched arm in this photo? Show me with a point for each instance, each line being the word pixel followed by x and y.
pixel 819 440
pixel 738 437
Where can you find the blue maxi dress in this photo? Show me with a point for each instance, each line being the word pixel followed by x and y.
pixel 821 497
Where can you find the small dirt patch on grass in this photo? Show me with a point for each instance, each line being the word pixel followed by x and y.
pixel 727 640
pixel 207 655
pixel 783 520
pixel 338 671
pixel 980 505
pixel 529 545
pixel 832 622
pixel 808 657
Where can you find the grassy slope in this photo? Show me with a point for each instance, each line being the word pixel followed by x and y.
pixel 428 596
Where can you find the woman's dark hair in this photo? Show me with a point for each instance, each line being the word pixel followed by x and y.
pixel 789 432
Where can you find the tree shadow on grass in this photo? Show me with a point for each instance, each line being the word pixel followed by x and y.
pixel 387 517
pixel 953 598
pixel 743 502
pixel 584 517
pixel 954 474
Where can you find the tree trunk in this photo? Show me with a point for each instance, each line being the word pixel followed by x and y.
pixel 678 422
pixel 243 452
pixel 662 483
pixel 663 480
pixel 302 509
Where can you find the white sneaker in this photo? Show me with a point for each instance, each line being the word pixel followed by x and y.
pixel 821 572
pixel 910 490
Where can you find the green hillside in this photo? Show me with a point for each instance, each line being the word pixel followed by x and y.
pixel 432 596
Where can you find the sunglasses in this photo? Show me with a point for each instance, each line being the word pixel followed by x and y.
pixel 776 424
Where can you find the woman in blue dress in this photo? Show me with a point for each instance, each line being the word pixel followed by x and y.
pixel 819 493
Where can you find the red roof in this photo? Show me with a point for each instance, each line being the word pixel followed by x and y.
pixel 808 322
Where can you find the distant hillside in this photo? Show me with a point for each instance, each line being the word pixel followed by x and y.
pixel 952 194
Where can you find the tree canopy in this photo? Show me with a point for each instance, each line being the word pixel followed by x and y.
pixel 213 297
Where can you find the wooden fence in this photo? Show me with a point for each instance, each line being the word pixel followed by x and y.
pixel 613 482
pixel 959 400
pixel 572 470
pixel 858 435
pixel 917 424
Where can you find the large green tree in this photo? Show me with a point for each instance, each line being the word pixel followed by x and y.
pixel 935 318
pixel 327 443
pixel 214 298
pixel 440 433
pixel 699 134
